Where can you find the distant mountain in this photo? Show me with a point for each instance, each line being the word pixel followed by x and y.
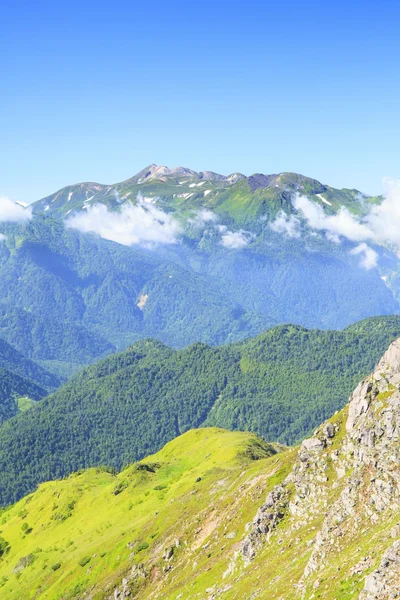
pixel 21 381
pixel 15 362
pixel 235 196
pixel 280 384
pixel 182 256
pixel 67 298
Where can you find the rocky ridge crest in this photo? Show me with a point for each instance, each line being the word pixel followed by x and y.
pixel 349 471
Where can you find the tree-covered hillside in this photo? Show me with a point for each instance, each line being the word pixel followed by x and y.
pixel 15 362
pixel 67 298
pixel 16 394
pixel 21 381
pixel 280 384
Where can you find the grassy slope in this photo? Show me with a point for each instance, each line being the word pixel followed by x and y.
pixel 85 538
pixel 82 517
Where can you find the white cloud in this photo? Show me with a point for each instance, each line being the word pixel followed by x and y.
pixel 286 224
pixel 369 258
pixel 235 239
pixel 384 219
pixel 2 237
pixel 142 224
pixel 10 211
pixel 381 225
pixel 202 218
pixel 343 223
pixel 332 237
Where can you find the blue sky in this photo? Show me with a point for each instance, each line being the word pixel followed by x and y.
pixel 98 90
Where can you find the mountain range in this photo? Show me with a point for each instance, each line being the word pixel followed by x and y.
pixel 183 257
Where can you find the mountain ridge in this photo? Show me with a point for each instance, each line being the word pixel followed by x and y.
pixel 81 195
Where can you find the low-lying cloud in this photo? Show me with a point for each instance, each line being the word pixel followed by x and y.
pixel 383 220
pixel 235 239
pixel 203 218
pixel 2 237
pixel 141 224
pixel 369 258
pixel 343 223
pixel 381 225
pixel 12 212
pixel 286 224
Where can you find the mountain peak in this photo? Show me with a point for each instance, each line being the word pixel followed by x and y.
pixel 161 173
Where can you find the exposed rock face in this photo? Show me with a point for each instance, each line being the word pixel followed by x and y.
pixel 266 519
pixel 350 474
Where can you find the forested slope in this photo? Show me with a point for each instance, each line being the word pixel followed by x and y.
pixel 280 384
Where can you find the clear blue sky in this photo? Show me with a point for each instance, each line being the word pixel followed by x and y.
pixel 98 90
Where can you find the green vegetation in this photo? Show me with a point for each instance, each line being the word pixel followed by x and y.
pixel 108 535
pixel 17 363
pixel 4 547
pixel 280 385
pixel 175 530
pixel 11 388
pixel 19 382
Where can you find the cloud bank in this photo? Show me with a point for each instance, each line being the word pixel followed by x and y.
pixel 342 224
pixel 381 225
pixel 12 212
pixel 141 224
pixel 2 237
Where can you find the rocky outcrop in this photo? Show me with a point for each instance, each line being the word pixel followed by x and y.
pixel 349 472
pixel 384 582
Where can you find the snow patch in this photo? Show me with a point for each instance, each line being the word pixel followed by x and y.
pixel 324 200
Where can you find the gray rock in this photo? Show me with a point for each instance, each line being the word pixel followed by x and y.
pixel 313 444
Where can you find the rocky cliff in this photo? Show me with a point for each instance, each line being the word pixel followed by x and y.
pixel 348 473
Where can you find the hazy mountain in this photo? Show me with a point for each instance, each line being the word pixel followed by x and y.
pixel 235 196
pixel 21 381
pixel 184 257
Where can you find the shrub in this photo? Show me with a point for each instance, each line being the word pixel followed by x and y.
pixel 84 561
pixel 4 547
pixel 120 487
pixel 142 546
